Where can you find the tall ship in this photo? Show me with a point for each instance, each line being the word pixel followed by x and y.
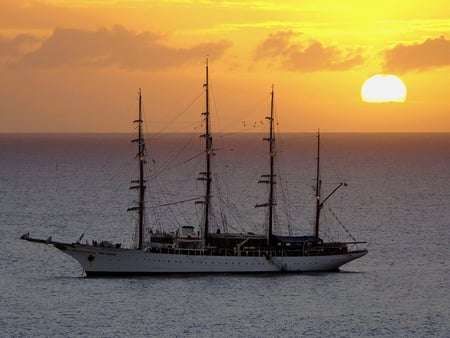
pixel 188 251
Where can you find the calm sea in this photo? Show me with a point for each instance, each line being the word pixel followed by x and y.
pixel 64 186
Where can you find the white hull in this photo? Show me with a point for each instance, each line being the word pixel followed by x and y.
pixel 115 261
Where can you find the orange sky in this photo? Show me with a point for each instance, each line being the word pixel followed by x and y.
pixel 76 65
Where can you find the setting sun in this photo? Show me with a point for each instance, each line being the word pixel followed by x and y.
pixel 383 88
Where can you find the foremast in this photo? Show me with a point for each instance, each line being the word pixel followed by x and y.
pixel 140 183
pixel 270 178
pixel 206 175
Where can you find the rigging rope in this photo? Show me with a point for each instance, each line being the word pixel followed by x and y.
pixel 179 115
pixel 155 175
pixel 180 202
pixel 339 221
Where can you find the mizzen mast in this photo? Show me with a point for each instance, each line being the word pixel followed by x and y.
pixel 319 201
pixel 141 181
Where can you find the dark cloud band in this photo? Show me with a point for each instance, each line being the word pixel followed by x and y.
pixel 115 47
pixel 280 48
pixel 431 53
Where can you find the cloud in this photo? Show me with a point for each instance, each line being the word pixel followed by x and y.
pixel 278 47
pixel 116 47
pixel 432 53
pixel 17 46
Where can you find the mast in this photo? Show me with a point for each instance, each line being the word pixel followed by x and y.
pixel 319 205
pixel 208 150
pixel 141 181
pixel 319 202
pixel 270 179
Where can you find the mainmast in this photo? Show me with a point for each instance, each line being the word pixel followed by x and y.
pixel 206 176
pixel 270 179
pixel 141 181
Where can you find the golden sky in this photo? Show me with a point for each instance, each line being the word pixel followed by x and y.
pixel 76 65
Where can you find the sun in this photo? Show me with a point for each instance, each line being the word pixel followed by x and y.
pixel 383 88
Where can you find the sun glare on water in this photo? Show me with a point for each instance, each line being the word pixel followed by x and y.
pixel 383 88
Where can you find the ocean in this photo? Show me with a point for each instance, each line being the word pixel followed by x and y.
pixel 65 186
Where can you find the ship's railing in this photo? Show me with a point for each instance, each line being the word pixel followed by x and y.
pixel 213 252
pixel 322 250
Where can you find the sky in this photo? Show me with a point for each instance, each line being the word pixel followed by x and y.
pixel 77 65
